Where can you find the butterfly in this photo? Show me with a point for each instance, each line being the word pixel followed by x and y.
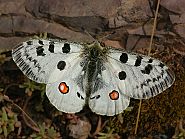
pixel 104 78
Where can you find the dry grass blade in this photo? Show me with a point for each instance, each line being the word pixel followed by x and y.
pixel 34 127
pixel 150 47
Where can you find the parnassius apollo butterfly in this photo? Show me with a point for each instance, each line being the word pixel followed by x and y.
pixel 104 78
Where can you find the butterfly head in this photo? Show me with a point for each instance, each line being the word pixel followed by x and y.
pixel 96 50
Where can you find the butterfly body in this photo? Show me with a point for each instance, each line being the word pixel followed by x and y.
pixel 94 55
pixel 102 77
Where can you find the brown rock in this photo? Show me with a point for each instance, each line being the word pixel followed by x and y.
pixel 12 7
pixel 177 6
pixel 180 29
pixel 135 43
pixel 72 8
pixel 6 25
pixel 177 19
pixel 69 19
pixel 7 43
pixel 132 12
pixel 79 129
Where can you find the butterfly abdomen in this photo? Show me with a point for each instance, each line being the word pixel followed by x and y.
pixel 93 68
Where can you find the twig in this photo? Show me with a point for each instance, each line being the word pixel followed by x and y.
pixel 99 127
pixel 138 115
pixel 33 125
pixel 36 128
pixel 154 27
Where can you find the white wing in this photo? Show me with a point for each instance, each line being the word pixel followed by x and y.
pixel 45 61
pixel 127 75
pixel 140 76
pixel 58 64
pixel 67 94
pixel 107 98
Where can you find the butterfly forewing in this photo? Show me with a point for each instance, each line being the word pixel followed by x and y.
pixel 38 59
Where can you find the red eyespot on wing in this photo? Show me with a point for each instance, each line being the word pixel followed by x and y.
pixel 63 88
pixel 114 95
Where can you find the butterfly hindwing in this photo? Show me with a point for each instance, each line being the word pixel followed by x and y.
pixel 42 60
pixel 108 99
pixel 67 94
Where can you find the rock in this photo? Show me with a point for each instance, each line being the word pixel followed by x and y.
pixel 72 8
pixel 177 14
pixel 175 6
pixel 7 43
pixel 15 7
pixel 79 129
pixel 6 25
pixel 131 13
pixel 71 19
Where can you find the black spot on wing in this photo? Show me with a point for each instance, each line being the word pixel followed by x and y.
pixel 66 48
pixel 154 80
pixel 122 75
pixel 30 58
pixel 124 58
pixel 29 43
pixel 143 84
pixel 95 97
pixel 34 61
pixel 61 65
pixel 158 77
pixel 148 93
pixel 80 96
pixel 40 51
pixel 41 42
pixel 138 61
pixel 150 60
pixel 148 80
pixel 147 69
pixel 144 95
pixel 51 48
pixel 161 65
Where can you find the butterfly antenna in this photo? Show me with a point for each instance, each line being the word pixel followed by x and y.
pixel 98 40
pixel 107 36
pixel 86 32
